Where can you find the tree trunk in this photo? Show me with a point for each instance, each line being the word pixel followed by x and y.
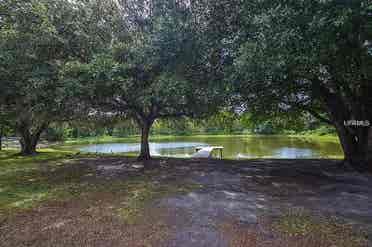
pixel 145 147
pixel 370 147
pixel 1 138
pixel 28 145
pixel 356 145
pixel 30 140
pixel 355 140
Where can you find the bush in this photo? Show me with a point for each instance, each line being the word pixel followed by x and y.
pixel 54 134
pixel 265 129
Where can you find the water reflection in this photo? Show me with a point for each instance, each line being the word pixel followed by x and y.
pixel 295 153
pixel 234 147
pixel 176 149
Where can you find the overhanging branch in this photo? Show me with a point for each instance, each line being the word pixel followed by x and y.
pixel 320 117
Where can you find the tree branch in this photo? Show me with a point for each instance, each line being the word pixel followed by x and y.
pixel 177 114
pixel 320 117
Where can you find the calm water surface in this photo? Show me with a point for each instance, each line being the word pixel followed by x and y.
pixel 234 147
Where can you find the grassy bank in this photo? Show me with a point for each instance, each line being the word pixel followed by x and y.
pixel 328 137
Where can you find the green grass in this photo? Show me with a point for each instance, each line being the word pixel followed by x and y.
pixel 11 161
pixel 25 181
pixel 317 137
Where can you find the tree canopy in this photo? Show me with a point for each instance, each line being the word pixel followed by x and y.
pixel 36 39
pixel 151 76
pixel 312 56
pixel 154 59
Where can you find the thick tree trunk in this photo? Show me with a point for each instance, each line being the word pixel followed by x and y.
pixel 370 148
pixel 356 145
pixel 355 140
pixel 28 145
pixel 1 138
pixel 28 139
pixel 145 147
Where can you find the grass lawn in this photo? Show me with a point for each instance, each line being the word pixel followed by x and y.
pixel 27 181
pixel 24 180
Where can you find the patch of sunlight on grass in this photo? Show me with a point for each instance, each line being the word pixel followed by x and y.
pixel 298 223
pixel 12 158
pixel 30 200
pixel 20 196
pixel 25 181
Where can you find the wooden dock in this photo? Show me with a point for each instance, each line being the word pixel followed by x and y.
pixel 206 152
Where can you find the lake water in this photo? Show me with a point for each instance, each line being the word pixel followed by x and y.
pixel 235 147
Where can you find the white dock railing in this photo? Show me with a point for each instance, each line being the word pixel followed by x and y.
pixel 206 152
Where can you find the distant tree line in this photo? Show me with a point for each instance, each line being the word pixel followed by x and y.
pixel 224 122
pixel 151 61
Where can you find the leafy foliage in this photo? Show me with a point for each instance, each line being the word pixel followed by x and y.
pixel 151 76
pixel 36 39
pixel 309 56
